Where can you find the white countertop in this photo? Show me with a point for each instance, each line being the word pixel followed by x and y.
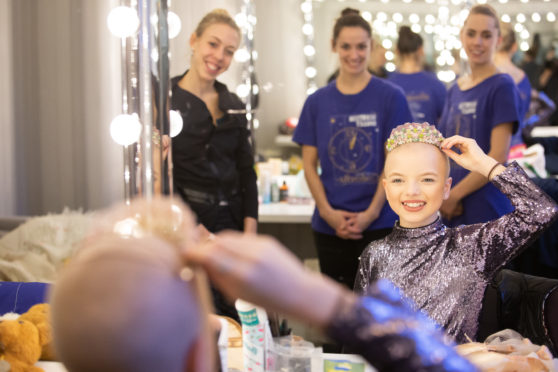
pixel 285 213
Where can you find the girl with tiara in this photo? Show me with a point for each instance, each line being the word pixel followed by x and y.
pixel 344 126
pixel 483 105
pixel 445 270
pixel 425 93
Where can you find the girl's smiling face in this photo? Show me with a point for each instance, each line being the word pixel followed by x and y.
pixel 416 183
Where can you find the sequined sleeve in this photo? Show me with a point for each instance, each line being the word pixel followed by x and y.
pixel 391 336
pixel 500 240
pixel 367 268
pixel 363 276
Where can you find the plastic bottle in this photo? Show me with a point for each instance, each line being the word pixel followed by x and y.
pixel 256 335
pixel 284 192
pixel 274 192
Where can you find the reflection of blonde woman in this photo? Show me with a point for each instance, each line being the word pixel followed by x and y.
pixel 344 126
pixel 482 105
pixel 213 162
pixel 212 156
pixel 503 60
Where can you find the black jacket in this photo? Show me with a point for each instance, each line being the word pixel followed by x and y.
pixel 217 161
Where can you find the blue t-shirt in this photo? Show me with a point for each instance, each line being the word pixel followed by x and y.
pixel 425 94
pixel 524 89
pixel 474 113
pixel 349 131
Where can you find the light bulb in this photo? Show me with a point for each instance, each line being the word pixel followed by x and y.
pixel 174 23
pixel 310 72
pixel 125 129
pixel 176 123
pixel 536 17
pixel 242 90
pixel 306 7
pixel 414 18
pixel 307 29
pixel 309 50
pixel 123 21
pixel 241 55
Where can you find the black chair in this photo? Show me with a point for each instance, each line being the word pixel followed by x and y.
pixel 527 304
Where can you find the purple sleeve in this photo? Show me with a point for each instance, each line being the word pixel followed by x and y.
pixel 505 104
pixel 497 241
pixel 305 132
pixel 391 336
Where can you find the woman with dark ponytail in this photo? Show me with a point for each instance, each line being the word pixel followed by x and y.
pixel 425 93
pixel 344 126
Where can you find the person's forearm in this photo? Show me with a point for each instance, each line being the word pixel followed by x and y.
pixel 317 299
pixel 316 189
pixel 250 225
pixel 477 179
pixel 378 201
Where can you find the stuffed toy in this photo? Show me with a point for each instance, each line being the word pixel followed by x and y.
pixel 39 315
pixel 20 346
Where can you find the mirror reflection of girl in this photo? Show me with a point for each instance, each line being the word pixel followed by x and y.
pixel 213 162
pixel 483 105
pixel 445 271
pixel 425 93
pixel 343 127
pixel 503 60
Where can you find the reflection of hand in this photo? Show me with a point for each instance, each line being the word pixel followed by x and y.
pixel 166 141
pixel 260 270
pixel 359 223
pixel 340 220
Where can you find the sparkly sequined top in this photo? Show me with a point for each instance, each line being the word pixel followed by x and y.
pixel 445 270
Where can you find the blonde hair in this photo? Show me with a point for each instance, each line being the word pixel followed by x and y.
pixel 486 10
pixel 216 16
pixel 508 37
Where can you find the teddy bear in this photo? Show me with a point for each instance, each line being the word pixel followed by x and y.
pixel 20 346
pixel 39 315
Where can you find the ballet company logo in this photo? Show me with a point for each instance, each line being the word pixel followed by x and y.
pixel 364 120
pixel 468 108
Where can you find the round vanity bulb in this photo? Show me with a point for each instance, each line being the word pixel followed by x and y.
pixel 176 123
pixel 123 21
pixel 175 25
pixel 125 129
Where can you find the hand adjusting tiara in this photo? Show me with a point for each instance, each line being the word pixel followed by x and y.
pixel 414 132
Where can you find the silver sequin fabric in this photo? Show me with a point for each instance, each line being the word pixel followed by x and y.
pixel 445 271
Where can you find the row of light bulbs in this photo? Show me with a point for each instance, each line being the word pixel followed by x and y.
pixel 123 22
